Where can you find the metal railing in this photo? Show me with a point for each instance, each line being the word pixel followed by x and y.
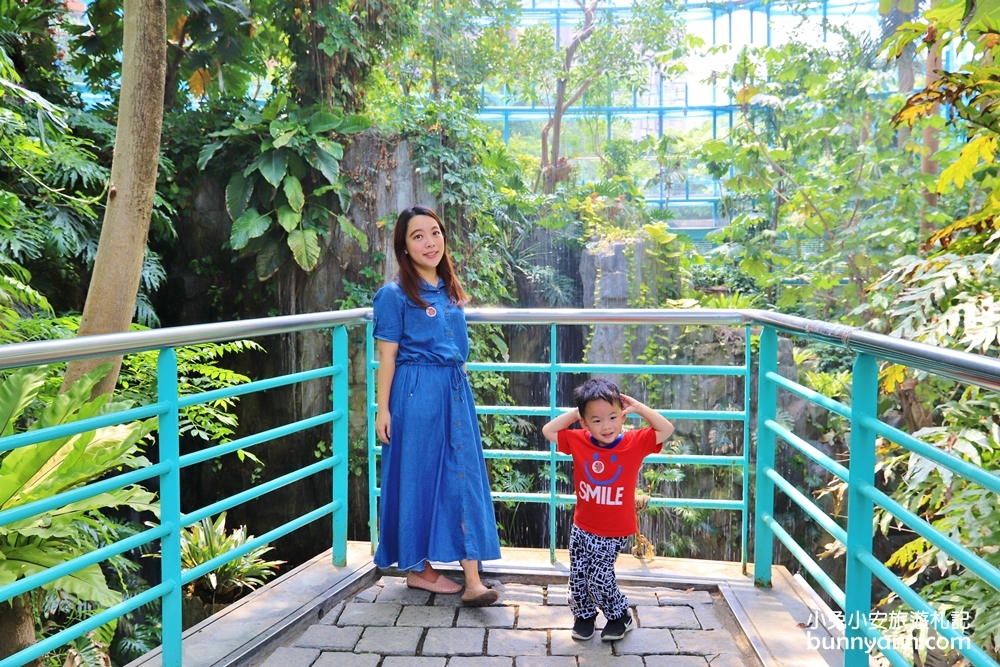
pixel 854 597
pixel 552 367
pixel 168 467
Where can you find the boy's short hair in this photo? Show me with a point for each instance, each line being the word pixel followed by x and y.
pixel 597 389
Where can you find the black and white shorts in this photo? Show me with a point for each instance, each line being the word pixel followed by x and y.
pixel 592 583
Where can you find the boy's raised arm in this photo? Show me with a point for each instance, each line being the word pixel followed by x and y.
pixel 656 421
pixel 560 423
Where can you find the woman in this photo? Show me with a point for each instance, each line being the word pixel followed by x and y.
pixel 436 502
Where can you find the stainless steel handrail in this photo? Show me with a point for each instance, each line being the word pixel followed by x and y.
pixel 975 369
pixel 966 367
pixel 104 345
pixel 703 316
pixel 37 353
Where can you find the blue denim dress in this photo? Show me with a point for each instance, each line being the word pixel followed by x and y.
pixel 435 500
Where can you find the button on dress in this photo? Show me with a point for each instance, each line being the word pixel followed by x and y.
pixel 435 497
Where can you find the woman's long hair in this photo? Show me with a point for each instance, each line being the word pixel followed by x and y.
pixel 408 278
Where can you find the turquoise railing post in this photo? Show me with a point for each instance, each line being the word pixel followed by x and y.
pixel 553 410
pixel 747 378
pixel 767 408
pixel 860 509
pixel 370 403
pixel 340 446
pixel 170 507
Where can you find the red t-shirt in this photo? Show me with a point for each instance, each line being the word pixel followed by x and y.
pixel 604 479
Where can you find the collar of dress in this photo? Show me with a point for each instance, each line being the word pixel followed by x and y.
pixel 427 287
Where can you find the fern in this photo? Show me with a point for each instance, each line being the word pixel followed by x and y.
pixel 199 370
pixel 72 233
pixel 71 164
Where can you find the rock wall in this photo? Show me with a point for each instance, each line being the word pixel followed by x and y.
pixel 612 274
pixel 381 173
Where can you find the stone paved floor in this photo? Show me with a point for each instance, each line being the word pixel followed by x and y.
pixel 390 625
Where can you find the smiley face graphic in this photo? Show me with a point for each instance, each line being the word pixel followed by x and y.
pixel 596 467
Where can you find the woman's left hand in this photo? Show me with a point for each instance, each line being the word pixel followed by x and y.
pixel 383 425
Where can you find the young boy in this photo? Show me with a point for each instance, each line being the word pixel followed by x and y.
pixel 605 466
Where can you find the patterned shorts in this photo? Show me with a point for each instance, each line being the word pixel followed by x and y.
pixel 592 583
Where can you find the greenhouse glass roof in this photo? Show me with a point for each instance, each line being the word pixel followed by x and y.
pixel 697 101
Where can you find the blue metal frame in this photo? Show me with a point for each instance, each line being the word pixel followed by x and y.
pixel 856 533
pixel 172 520
pixel 863 497
pixel 555 500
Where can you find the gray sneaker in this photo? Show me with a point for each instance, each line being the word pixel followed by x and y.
pixel 616 628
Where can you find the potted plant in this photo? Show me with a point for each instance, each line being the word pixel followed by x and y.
pixel 211 593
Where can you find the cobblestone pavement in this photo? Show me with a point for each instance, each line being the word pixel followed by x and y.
pixel 390 625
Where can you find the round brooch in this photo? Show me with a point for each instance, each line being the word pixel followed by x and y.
pixel 431 312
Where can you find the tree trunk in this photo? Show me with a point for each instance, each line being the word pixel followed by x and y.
pixel 928 165
pixel 17 628
pixel 906 82
pixel 434 62
pixel 904 64
pixel 552 168
pixel 319 90
pixel 115 282
pixel 557 119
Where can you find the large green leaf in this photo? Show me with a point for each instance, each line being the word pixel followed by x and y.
pixel 294 194
pixel 986 17
pixel 271 258
pixel 83 459
pixel 86 584
pixel 16 393
pixel 274 107
pixel 326 163
pixel 354 123
pixel 272 165
pixel 347 227
pixel 282 139
pixel 304 244
pixel 248 226
pixel 54 466
pixel 238 194
pixel 297 166
pixel 21 468
pixel 288 219
pixel 65 406
pixel 332 147
pixel 325 121
pixel 207 152
pixel 62 522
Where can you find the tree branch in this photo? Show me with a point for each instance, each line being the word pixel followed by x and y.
pixel 767 154
pixel 585 32
pixel 173 69
pixel 579 92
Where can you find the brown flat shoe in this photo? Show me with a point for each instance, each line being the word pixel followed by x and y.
pixel 483 599
pixel 442 585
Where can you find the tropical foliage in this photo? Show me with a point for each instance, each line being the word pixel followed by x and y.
pixel 208 539
pixel 947 297
pixel 35 472
pixel 819 193
pixel 292 185
pixel 821 182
